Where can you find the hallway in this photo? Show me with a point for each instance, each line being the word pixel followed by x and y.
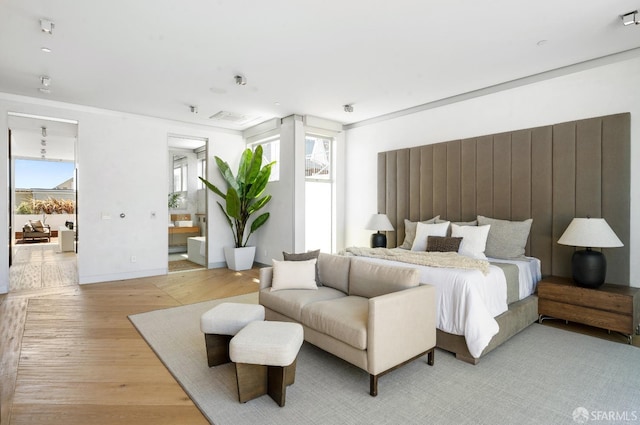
pixel 42 265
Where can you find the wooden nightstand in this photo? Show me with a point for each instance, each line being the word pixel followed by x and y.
pixel 610 307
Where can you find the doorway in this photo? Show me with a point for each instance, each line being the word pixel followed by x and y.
pixel 42 201
pixel 187 203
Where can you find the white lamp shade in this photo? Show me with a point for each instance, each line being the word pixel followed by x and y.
pixel 590 233
pixel 379 222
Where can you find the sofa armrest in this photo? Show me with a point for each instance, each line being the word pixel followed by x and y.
pixel 266 275
pixel 401 325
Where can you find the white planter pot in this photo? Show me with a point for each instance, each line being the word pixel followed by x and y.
pixel 239 258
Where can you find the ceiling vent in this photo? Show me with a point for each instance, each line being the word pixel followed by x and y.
pixel 232 117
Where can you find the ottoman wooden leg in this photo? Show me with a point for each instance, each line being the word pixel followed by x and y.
pixel 217 349
pixel 252 381
pixel 278 380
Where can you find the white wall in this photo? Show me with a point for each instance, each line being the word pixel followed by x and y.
pixel 605 90
pixel 122 169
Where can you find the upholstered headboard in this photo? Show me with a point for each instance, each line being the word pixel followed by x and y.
pixel 551 174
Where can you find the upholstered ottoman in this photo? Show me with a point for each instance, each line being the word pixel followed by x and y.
pixel 221 323
pixel 265 355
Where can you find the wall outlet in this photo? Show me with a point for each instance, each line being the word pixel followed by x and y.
pixel 133 259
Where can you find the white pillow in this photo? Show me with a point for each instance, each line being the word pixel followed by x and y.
pixel 294 275
pixel 184 223
pixel 474 240
pixel 425 230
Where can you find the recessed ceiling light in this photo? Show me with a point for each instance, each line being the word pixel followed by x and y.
pixel 276 103
pixel 44 90
pixel 45 49
pixel 542 43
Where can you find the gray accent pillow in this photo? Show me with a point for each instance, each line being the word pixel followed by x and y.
pixel 410 231
pixel 304 256
pixel 443 244
pixel 507 239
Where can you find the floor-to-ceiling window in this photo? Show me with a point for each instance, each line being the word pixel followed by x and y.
pixel 319 188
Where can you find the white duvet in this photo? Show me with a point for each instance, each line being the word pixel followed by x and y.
pixel 467 300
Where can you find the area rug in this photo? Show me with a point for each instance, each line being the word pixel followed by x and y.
pixel 543 375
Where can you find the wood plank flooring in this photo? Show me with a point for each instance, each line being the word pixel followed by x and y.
pixel 71 356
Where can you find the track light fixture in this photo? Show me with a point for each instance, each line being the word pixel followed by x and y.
pixel 44 131
pixel 240 80
pixel 348 108
pixel 193 109
pixel 43 142
pixel 45 80
pixel 43 151
pixel 46 26
pixel 630 18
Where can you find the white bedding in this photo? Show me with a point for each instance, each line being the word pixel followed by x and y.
pixel 468 301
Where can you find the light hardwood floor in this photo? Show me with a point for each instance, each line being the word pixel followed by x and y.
pixel 71 356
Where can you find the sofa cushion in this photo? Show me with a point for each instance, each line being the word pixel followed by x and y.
pixel 345 319
pixel 367 279
pixel 291 302
pixel 333 271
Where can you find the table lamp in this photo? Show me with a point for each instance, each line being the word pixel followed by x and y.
pixel 379 222
pixel 589 268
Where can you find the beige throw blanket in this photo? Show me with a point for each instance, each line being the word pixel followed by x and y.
pixel 432 259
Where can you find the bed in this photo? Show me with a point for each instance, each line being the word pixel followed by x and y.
pixel 549 174
pixel 469 300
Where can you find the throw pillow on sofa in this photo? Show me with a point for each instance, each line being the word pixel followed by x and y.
pixel 309 255
pixel 294 275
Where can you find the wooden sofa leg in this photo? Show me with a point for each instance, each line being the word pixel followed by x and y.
pixel 373 385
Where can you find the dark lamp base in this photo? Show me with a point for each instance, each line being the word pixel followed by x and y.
pixel 589 268
pixel 378 240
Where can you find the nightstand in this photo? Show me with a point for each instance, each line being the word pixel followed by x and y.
pixel 611 307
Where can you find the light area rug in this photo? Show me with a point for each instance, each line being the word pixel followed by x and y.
pixel 541 376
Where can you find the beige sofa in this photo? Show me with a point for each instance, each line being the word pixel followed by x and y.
pixel 374 316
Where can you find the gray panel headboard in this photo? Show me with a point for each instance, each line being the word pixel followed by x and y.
pixel 551 174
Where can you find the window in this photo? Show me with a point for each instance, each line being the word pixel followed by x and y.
pixel 179 173
pixel 317 157
pixel 202 171
pixel 319 211
pixel 270 153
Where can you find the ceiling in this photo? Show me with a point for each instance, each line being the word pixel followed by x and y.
pixel 310 58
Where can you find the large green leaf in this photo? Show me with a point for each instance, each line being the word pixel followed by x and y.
pixel 245 165
pixel 259 221
pixel 226 173
pixel 258 204
pixel 260 182
pixel 233 204
pixel 256 163
pixel 213 188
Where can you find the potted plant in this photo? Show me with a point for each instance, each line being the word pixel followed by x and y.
pixel 243 198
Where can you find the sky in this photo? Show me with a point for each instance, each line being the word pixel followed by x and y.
pixel 31 174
